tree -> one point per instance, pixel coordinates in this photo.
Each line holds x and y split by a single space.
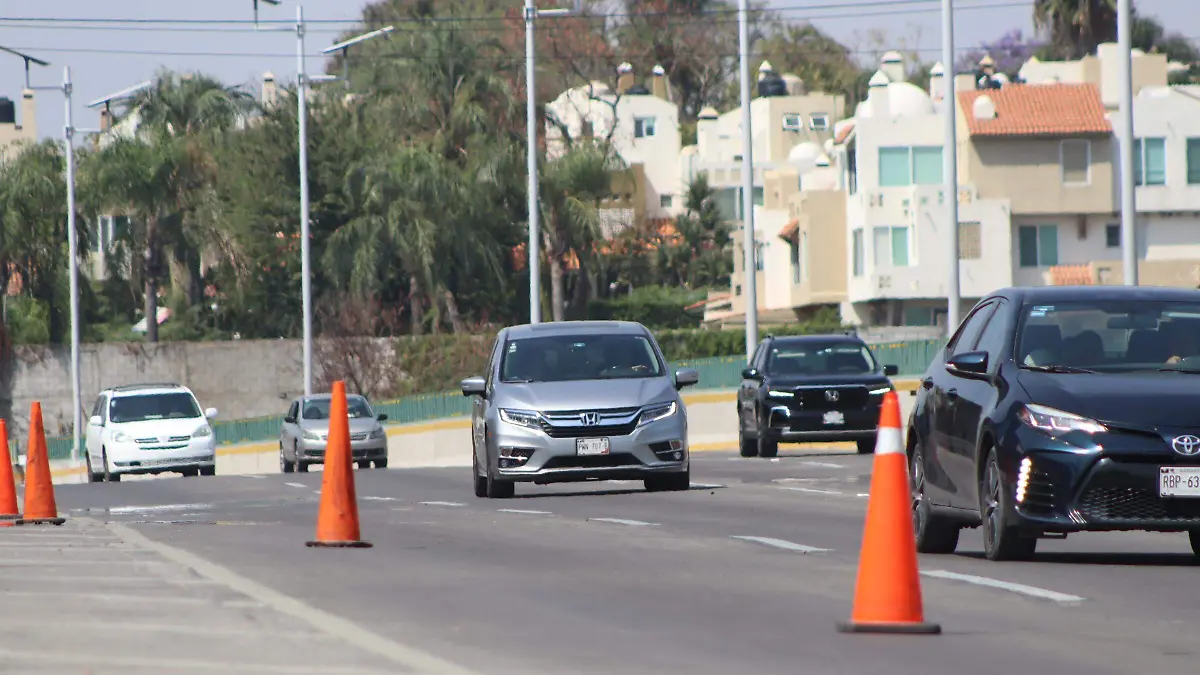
697 254
1075 28
822 62
1010 52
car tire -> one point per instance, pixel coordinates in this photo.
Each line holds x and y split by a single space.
481 482
365 464
1194 538
866 446
934 534
285 466
669 482
1001 540
768 446
748 448
109 476
189 473
498 488
208 470
93 476
381 463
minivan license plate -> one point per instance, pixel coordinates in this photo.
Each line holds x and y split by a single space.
1179 481
591 446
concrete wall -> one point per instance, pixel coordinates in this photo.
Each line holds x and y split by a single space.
242 378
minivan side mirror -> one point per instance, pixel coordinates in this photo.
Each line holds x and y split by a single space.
210 413
891 370
473 386
750 373
686 377
969 364
96 421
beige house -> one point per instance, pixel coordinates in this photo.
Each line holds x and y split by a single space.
14 129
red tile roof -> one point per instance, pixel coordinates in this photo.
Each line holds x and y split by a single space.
1038 110
1071 275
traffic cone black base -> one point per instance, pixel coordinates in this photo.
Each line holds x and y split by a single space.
890 628
40 521
338 544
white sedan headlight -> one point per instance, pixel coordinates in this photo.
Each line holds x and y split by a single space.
657 413
1056 422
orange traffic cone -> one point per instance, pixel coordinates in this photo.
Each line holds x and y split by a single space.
887 598
337 520
8 484
40 508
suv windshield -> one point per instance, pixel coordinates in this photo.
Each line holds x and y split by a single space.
560 358
812 357
178 406
1110 336
318 408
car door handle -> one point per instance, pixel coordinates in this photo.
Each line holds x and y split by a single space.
952 393
927 383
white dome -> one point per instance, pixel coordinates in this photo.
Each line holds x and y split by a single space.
804 156
905 99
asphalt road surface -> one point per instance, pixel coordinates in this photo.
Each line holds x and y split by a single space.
749 571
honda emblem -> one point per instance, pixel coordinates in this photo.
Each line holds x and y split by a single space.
589 419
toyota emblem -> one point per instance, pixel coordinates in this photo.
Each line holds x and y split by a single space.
589 419
1186 445
832 395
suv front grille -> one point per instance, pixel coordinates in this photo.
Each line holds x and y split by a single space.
849 398
570 424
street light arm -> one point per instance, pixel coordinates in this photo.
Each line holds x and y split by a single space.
341 46
124 93
28 60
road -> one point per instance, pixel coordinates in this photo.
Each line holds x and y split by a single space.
594 578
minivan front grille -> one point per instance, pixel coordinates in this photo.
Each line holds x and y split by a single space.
571 423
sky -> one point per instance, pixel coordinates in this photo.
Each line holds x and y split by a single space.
105 57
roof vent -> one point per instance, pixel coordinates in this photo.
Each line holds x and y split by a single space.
879 79
984 108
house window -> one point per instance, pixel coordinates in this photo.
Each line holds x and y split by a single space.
901 166
664 201
1038 245
795 253
891 246
643 127
1112 235
1193 161
970 246
859 257
1075 156
792 122
852 170
1150 161
818 122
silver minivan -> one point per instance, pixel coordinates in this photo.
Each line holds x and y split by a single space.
576 401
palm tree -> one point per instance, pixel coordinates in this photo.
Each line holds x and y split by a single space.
1075 27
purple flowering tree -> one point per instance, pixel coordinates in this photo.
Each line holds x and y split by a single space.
1010 52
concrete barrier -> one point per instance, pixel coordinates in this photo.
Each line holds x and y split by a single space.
712 425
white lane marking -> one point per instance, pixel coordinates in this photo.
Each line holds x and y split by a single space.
110 597
159 507
528 511
812 490
621 521
706 486
863 494
370 498
783 544
255 476
824 465
296 485
443 503
1031 591
331 624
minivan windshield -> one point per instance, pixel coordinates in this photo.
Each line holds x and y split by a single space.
173 406
560 358
318 408
810 357
1110 336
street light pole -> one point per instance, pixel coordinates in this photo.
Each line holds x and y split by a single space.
73 254
1129 256
344 48
749 281
305 268
950 165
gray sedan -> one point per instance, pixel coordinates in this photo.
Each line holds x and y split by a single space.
305 432
576 401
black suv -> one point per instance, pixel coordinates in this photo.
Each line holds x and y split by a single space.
810 388
1059 410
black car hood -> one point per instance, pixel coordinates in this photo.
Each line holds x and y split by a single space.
1141 399
842 380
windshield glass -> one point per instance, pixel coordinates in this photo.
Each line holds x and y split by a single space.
561 358
1111 336
820 358
318 408
179 406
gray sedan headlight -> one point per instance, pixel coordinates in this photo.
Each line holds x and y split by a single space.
312 436
378 433
657 413
521 418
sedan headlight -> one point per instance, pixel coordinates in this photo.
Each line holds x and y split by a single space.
378 432
521 418
203 432
312 436
657 412
1057 422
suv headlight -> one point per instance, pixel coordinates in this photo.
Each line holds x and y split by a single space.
1057 422
657 413
203 432
522 418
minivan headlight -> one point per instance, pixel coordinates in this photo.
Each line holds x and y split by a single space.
521 418
656 413
1056 422
203 432
121 437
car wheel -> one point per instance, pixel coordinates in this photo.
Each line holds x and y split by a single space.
1194 537
498 488
481 482
189 473
365 464
768 446
934 534
301 467
109 476
381 463
285 466
1001 541
208 470
749 448
866 446
669 482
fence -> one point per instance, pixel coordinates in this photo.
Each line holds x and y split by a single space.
723 372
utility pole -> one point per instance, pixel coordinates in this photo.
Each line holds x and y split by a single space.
750 280
1129 257
950 166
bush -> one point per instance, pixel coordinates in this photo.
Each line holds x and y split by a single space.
653 306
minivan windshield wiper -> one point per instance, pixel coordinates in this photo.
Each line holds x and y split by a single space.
1057 368
1189 371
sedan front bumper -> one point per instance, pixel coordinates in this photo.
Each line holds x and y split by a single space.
313 452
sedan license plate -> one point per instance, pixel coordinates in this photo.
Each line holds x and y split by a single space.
591 446
834 417
1179 481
